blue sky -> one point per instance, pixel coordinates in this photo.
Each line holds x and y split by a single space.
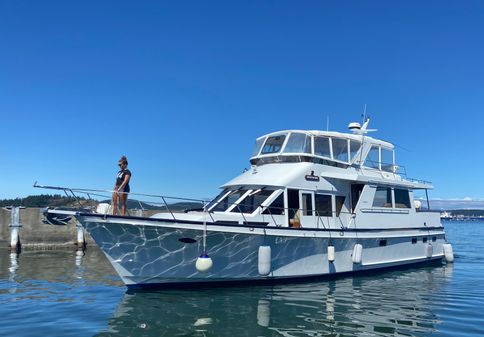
184 88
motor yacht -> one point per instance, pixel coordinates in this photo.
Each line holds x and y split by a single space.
313 203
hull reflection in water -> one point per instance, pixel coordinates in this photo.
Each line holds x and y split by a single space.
397 303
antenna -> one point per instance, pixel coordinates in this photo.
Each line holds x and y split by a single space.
327 123
364 114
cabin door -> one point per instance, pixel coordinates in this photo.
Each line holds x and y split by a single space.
356 190
306 209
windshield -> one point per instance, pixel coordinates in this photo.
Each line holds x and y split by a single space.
273 144
252 201
229 200
298 143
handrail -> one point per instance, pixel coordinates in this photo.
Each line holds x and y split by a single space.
338 216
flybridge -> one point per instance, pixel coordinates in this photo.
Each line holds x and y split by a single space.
328 148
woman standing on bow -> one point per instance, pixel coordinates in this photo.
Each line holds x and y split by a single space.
121 188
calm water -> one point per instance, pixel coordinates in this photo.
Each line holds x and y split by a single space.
57 293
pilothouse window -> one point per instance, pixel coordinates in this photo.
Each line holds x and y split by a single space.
383 197
402 199
273 144
323 205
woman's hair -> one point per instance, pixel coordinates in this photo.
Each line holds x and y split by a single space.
124 160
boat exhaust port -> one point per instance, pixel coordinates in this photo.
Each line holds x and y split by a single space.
448 252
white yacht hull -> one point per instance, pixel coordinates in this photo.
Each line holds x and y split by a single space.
148 252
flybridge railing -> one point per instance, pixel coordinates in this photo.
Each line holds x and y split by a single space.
272 212
394 169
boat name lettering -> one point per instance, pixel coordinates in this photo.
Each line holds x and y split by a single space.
311 177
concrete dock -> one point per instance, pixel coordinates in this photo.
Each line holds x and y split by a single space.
36 235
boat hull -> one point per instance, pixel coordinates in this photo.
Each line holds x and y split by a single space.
148 252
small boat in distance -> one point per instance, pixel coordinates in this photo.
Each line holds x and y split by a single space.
313 203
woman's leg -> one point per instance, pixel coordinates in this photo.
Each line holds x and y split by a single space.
124 200
115 203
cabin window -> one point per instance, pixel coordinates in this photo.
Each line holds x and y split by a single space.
276 207
414 241
373 158
298 143
321 147
402 199
253 200
354 148
383 243
307 203
340 149
229 200
323 205
340 201
383 197
216 199
273 144
386 159
258 145
424 240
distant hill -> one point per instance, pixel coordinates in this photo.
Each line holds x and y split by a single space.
57 200
43 200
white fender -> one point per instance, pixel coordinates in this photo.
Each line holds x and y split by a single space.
448 252
331 255
429 250
204 263
357 253
264 260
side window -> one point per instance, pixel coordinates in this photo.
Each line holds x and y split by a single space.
354 148
340 201
340 149
402 199
276 207
307 204
383 197
323 205
386 160
258 146
373 158
321 147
